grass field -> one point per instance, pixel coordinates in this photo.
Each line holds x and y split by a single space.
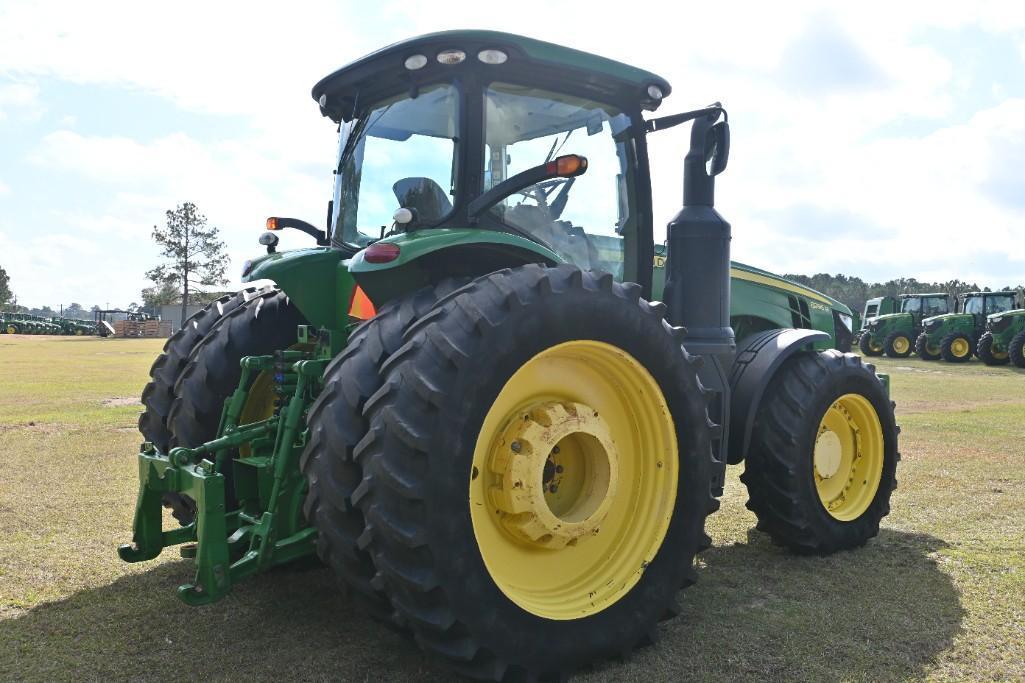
940 595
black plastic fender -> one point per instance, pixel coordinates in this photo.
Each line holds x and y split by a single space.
758 358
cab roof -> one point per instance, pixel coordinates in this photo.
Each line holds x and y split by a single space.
1000 293
916 296
385 68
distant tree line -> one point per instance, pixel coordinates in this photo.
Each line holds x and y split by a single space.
854 292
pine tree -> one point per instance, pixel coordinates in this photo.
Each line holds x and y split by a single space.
194 253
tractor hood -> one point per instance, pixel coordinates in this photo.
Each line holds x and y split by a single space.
947 316
997 317
887 318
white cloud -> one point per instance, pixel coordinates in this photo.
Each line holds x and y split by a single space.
19 97
796 144
5 189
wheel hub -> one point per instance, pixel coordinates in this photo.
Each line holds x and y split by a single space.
557 473
828 452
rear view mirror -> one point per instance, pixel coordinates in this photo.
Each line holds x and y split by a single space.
717 148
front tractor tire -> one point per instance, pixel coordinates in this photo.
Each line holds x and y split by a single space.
823 458
924 349
869 346
987 354
898 345
956 347
1016 351
536 473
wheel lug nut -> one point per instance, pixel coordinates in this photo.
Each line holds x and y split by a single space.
558 469
516 447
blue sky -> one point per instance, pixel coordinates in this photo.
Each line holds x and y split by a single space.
879 140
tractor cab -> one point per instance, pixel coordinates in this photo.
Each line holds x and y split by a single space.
922 306
538 149
982 304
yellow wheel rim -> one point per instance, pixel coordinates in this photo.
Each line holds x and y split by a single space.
11 329
574 479
901 344
999 355
259 405
848 457
874 345
960 347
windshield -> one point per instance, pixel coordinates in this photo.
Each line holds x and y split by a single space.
936 305
584 218
911 306
999 304
973 305
400 153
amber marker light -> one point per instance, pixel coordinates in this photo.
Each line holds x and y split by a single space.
272 223
567 166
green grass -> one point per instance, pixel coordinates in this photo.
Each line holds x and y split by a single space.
940 595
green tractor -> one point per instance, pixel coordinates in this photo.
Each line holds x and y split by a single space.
26 323
1004 338
75 327
895 333
477 416
955 336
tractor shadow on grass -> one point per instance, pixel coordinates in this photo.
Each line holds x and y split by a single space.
882 612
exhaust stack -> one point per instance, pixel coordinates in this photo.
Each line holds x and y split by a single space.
697 293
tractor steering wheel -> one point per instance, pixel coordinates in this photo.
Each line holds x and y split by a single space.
541 192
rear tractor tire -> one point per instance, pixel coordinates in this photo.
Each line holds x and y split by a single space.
536 473
823 458
1016 351
986 353
199 369
337 425
868 346
956 347
924 349
898 345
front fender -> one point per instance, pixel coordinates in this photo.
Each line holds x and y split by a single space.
758 358
316 279
426 256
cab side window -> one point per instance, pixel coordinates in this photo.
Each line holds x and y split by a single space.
998 304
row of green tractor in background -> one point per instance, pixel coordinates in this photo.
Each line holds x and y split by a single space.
989 325
26 323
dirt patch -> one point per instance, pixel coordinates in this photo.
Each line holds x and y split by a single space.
119 401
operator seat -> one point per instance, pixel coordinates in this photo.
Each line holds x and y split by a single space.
424 196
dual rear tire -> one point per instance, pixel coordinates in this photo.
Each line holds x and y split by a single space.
199 368
534 472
